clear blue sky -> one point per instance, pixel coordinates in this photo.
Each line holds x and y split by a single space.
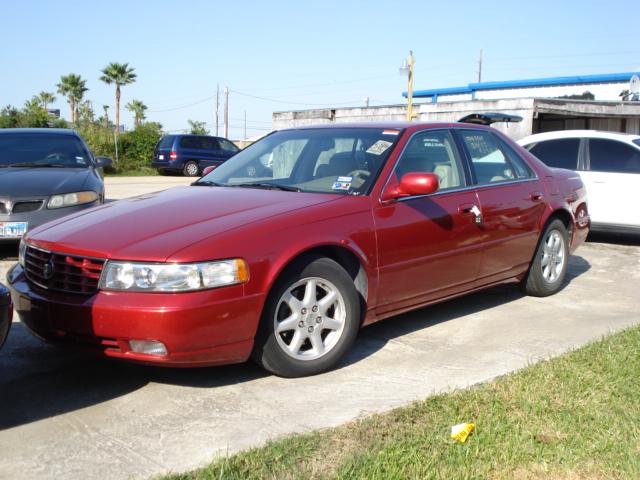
300 54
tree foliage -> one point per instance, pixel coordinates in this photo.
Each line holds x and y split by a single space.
119 74
45 98
73 87
137 108
198 128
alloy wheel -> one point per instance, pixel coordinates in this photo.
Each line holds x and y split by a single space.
309 318
553 256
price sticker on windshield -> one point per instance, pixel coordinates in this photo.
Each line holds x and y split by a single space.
379 147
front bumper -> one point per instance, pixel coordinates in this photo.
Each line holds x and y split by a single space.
6 314
42 215
209 327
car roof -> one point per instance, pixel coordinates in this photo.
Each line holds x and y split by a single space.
392 125
539 137
52 131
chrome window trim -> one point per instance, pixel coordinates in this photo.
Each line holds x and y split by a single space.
469 188
473 186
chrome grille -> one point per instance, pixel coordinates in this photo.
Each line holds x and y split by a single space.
62 272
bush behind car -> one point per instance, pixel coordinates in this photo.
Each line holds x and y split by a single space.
135 147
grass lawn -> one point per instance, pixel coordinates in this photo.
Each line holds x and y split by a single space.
142 172
573 417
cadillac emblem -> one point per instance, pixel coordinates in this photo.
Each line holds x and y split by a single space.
47 270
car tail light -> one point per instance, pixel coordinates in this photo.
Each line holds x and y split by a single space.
173 155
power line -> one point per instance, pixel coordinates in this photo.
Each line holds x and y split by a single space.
275 100
328 84
568 55
182 106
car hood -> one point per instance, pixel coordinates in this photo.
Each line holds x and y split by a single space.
152 227
40 182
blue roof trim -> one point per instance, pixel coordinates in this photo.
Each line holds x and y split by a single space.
534 82
439 91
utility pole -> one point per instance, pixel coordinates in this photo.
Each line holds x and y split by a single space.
480 67
245 125
226 112
217 106
410 64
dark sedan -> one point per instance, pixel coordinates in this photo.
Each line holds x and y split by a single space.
6 313
45 174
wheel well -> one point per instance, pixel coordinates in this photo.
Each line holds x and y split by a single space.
565 217
347 260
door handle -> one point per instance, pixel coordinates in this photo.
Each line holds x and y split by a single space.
471 209
536 196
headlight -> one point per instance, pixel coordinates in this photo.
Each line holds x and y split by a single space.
172 277
71 199
22 250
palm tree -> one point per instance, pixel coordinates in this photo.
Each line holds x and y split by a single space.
73 87
120 74
106 115
45 98
137 108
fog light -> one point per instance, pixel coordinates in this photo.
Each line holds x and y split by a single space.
149 347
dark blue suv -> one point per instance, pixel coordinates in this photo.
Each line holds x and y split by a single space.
190 154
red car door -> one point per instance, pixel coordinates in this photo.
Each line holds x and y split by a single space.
511 201
428 246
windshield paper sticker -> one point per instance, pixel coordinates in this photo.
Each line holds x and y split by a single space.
379 147
344 179
341 185
390 132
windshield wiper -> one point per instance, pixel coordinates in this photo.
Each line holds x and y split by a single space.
206 183
33 165
267 185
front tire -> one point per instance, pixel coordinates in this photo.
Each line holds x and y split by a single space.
191 169
310 320
549 266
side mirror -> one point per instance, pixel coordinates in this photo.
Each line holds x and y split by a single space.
412 183
208 170
103 162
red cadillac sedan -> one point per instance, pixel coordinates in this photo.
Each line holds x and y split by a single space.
286 250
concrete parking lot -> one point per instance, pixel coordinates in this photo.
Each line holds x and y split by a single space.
64 415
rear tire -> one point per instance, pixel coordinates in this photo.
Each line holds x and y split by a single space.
310 320
191 169
549 265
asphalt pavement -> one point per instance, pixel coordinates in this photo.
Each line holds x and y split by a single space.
67 416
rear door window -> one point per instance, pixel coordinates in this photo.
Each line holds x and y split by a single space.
209 143
612 156
166 142
560 153
488 161
191 142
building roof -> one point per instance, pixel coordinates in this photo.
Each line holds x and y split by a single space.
527 83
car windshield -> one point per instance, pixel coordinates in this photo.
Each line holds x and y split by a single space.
42 150
326 160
